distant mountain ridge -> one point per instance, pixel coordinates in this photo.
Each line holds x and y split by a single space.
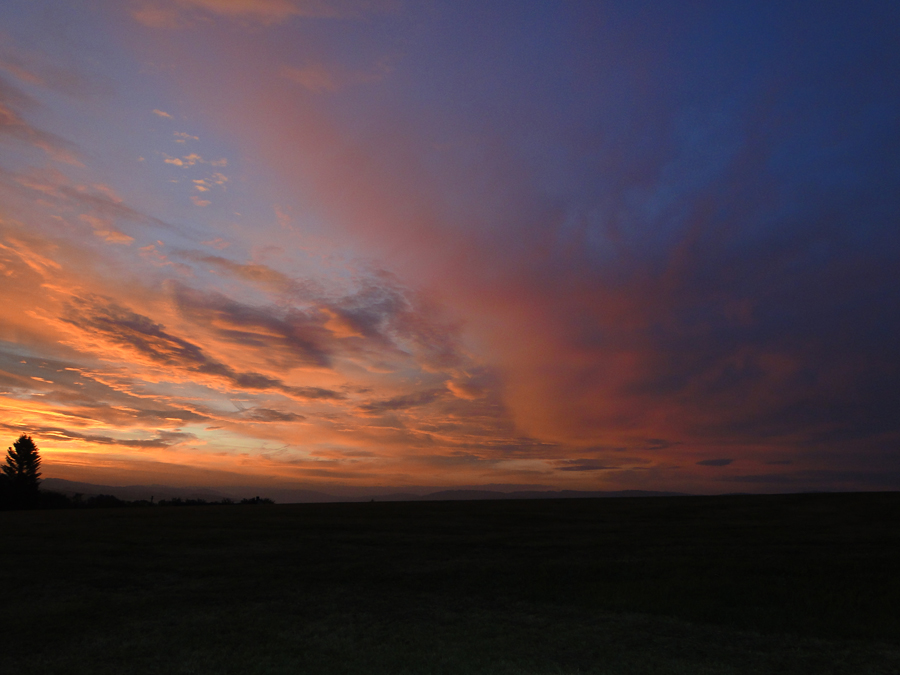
157 492
294 496
448 495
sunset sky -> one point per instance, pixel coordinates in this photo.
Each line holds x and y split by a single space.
577 245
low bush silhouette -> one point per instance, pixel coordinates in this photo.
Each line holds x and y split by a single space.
257 500
48 499
104 501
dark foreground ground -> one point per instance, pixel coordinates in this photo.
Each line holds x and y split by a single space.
774 584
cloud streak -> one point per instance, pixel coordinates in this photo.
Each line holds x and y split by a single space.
181 13
14 126
144 340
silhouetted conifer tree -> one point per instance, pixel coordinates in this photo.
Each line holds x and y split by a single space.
21 473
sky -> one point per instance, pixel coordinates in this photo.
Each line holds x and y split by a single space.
344 244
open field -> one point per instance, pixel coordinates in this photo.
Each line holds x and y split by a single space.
737 584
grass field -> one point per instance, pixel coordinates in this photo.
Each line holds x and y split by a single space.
737 584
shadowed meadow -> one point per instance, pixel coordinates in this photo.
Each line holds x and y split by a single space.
385 245
729 584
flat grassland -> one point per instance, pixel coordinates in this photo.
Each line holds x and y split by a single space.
731 584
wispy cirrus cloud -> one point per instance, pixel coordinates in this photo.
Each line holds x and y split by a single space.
33 67
181 13
404 402
319 77
584 465
715 462
13 126
254 273
97 201
163 440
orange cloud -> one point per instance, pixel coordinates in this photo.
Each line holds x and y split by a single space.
103 229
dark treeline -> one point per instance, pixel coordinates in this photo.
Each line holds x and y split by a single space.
20 487
48 499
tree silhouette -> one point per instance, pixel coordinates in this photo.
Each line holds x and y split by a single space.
21 471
